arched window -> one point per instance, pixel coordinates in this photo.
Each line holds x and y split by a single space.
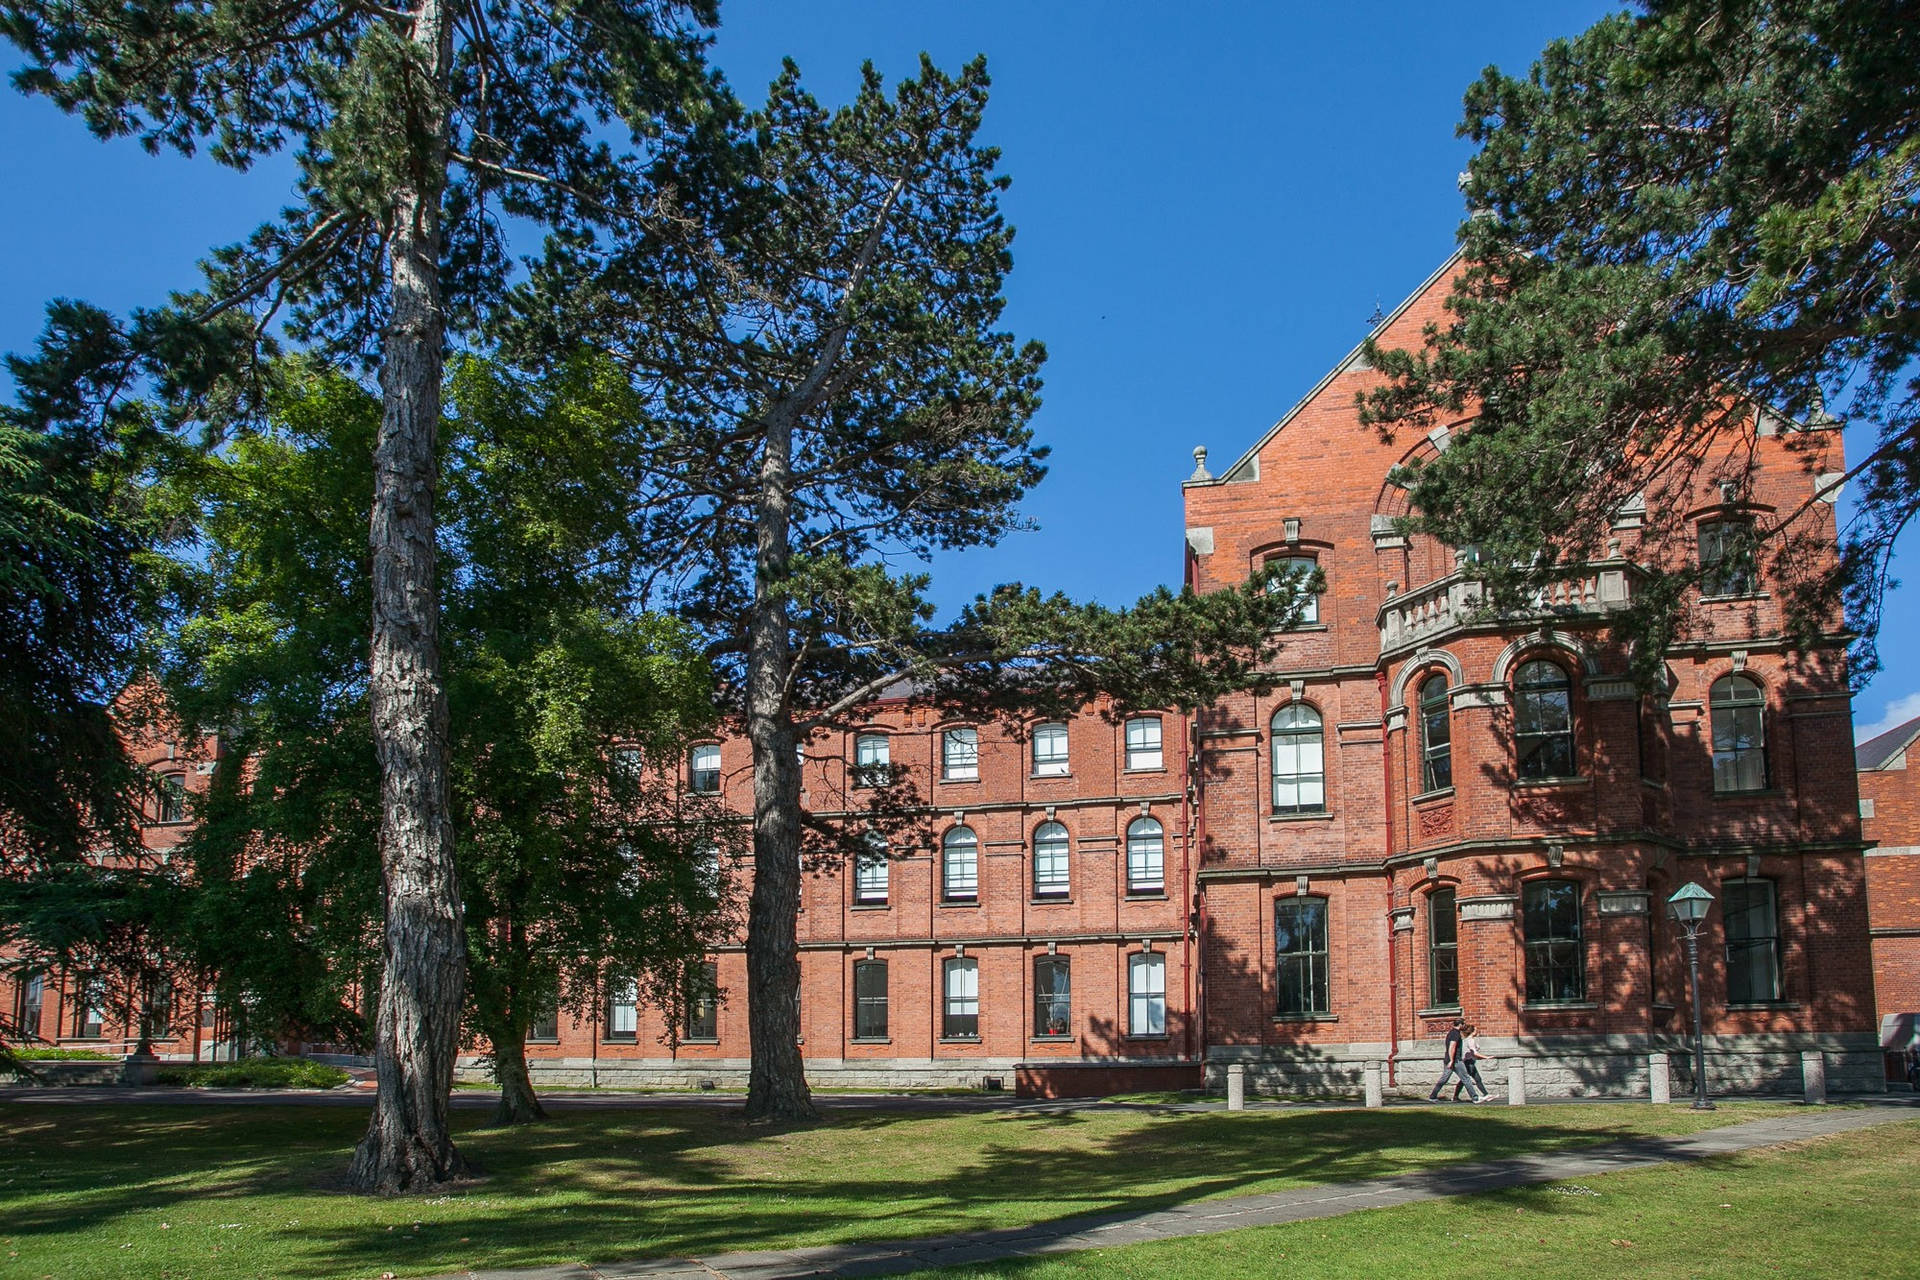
170 803
1051 878
1299 761
1436 735
1738 707
960 866
703 769
1049 750
1556 952
1146 857
1543 721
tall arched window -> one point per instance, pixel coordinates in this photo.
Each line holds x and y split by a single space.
960 866
1555 944
1443 949
1146 857
1543 721
1051 877
1738 707
1436 735
1299 761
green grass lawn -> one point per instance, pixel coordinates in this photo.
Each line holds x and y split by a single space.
1846 1206
159 1191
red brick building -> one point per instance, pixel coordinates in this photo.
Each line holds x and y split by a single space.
1890 817
1435 812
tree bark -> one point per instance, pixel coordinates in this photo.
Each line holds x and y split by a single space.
518 1102
777 1079
407 1146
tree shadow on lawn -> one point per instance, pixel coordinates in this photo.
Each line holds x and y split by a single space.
602 1185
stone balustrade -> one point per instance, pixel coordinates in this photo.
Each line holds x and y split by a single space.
1459 599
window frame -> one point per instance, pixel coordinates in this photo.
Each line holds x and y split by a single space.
1769 941
1546 969
1733 763
1304 971
1058 884
960 844
29 1003
1053 999
1436 759
1287 562
696 775
547 1015
876 771
700 1019
871 872
957 764
1527 700
622 993
1147 1001
952 1005
865 1004
1443 957
1136 756
1138 884
170 798
1297 734
1056 763
1732 570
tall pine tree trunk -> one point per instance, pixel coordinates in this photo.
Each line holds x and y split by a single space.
416 1026
777 1079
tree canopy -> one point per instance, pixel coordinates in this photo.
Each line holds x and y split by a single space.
1680 217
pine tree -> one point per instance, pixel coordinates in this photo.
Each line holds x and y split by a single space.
815 326
413 128
1679 217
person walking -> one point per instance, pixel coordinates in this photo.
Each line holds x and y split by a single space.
1469 1063
1453 1065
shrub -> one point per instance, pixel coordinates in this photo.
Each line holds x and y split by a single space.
62 1055
254 1073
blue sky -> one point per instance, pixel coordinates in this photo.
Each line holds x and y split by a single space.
1210 199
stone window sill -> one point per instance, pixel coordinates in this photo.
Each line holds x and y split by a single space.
1438 1011
1322 816
1763 793
958 782
1438 793
1066 1039
959 902
1145 768
1146 895
959 1039
620 1040
871 906
1053 900
1050 777
1736 597
1559 1006
1763 1006
1149 1035
686 1040
1548 784
871 1040
1306 1017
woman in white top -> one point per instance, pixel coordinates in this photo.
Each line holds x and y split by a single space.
1469 1062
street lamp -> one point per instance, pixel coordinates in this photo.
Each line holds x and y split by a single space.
1688 907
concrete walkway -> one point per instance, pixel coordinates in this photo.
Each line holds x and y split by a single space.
1204 1217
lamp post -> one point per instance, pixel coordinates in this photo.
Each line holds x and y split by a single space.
1688 907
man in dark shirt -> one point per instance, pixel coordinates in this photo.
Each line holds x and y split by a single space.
1454 1068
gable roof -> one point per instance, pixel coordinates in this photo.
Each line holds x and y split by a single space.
1881 749
1346 362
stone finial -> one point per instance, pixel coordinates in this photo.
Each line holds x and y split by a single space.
1200 471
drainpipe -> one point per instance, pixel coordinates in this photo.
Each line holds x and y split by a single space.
1187 885
1393 943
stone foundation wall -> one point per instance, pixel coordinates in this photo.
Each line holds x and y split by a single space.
731 1073
1569 1067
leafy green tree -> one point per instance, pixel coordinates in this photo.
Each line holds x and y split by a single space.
576 859
1677 216
414 128
815 328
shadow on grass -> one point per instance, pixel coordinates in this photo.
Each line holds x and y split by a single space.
654 1182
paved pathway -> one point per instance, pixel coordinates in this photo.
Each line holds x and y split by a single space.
1203 1217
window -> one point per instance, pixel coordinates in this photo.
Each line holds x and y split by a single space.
1727 558
626 764
1299 761
870 871
623 1008
1052 996
1556 957
704 774
960 866
960 755
1050 751
961 1016
89 1008
1443 950
703 1002
1146 857
1298 569
28 999
1147 994
1753 941
546 1022
872 760
706 869
1143 743
1300 957
1436 736
870 1000
170 802
1738 710
1050 875
1543 721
